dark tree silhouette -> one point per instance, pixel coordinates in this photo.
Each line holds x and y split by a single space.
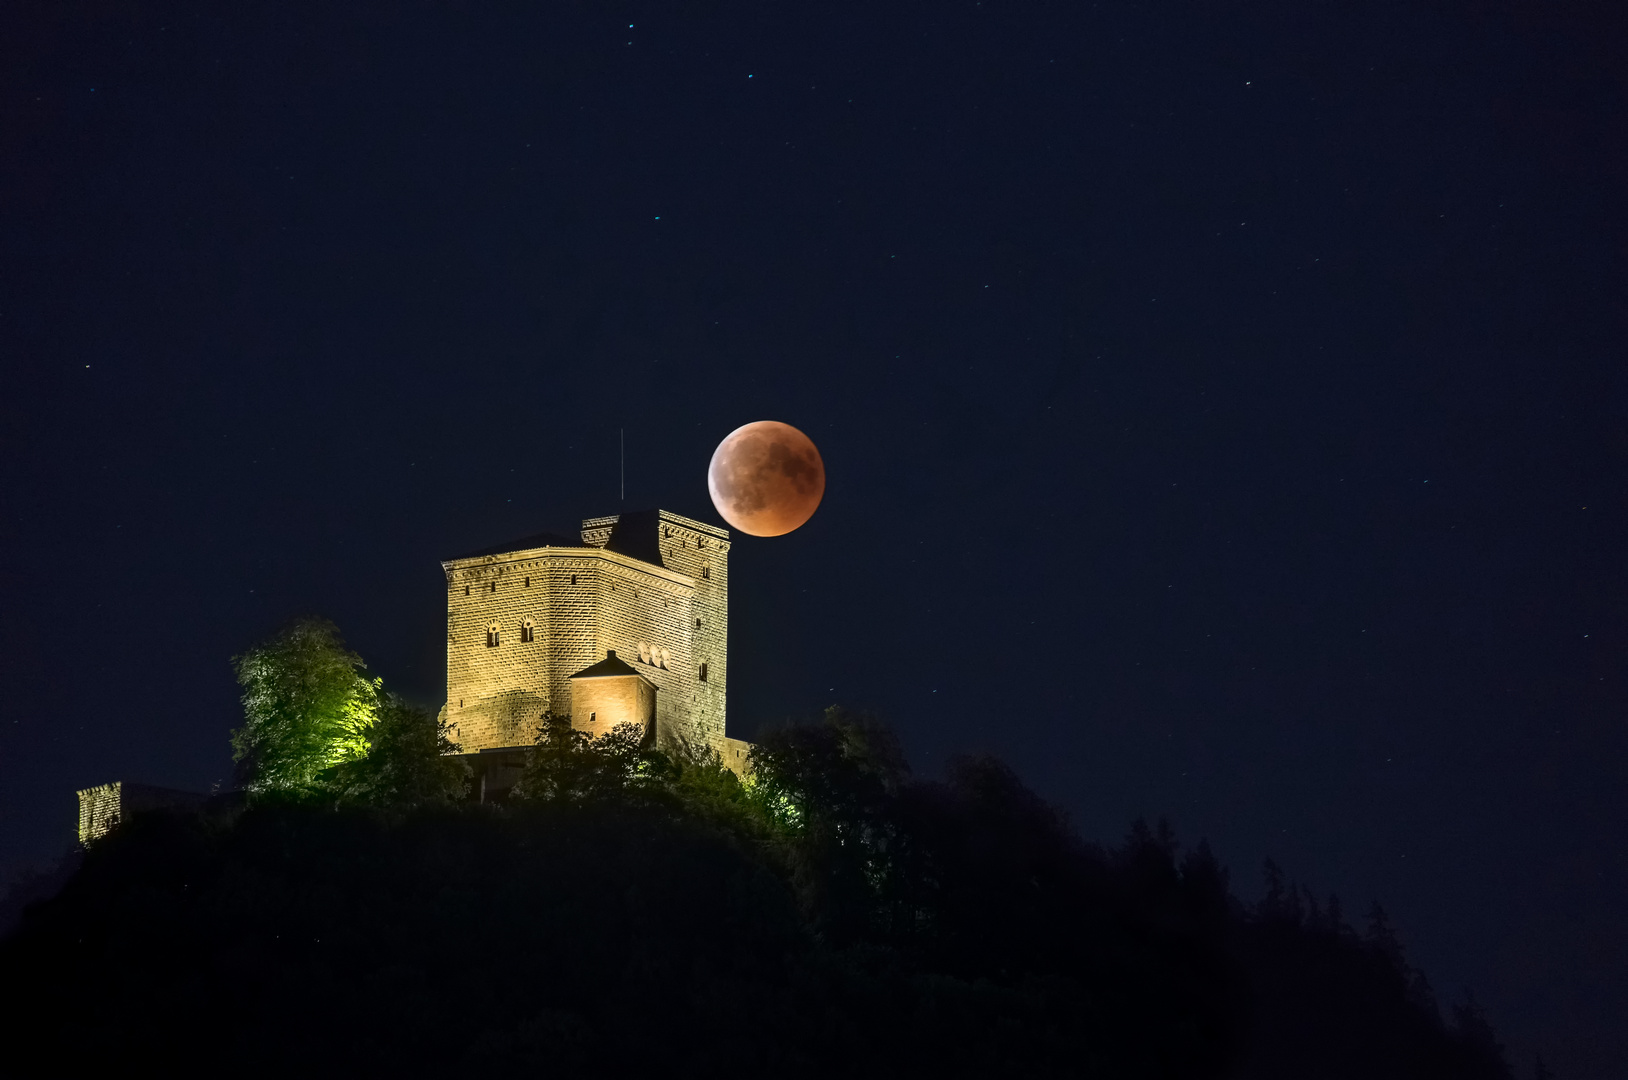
632 911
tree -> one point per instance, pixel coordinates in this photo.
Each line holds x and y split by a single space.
839 772
568 765
409 760
1473 1030
308 706
830 790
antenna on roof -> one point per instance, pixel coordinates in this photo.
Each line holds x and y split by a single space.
621 434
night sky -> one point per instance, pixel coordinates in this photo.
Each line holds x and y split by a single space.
1223 405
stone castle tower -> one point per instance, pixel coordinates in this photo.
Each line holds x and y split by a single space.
629 623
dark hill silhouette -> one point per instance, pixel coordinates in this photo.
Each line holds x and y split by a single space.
627 913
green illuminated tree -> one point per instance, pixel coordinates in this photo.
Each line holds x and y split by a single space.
408 761
308 706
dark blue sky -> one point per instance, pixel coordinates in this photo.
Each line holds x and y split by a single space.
1223 405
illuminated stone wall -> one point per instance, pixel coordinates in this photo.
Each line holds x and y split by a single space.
599 705
102 807
654 587
99 811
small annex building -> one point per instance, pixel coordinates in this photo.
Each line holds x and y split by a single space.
611 693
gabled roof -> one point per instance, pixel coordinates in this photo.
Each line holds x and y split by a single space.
525 543
607 667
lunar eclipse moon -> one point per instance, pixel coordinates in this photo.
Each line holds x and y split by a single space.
766 478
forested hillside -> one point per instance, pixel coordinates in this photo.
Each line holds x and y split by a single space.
631 911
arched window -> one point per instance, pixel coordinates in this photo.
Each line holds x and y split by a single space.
526 632
492 636
706 572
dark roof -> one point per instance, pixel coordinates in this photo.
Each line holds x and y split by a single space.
637 534
608 666
523 544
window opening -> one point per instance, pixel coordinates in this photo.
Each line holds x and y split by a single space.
526 632
466 590
703 673
491 636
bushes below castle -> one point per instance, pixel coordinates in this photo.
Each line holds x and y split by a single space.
629 911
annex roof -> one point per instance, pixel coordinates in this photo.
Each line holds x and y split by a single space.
607 667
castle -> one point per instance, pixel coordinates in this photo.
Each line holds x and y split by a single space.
627 623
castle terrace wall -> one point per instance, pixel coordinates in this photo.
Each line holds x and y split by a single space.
103 807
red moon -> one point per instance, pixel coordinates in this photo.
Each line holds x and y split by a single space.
766 478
